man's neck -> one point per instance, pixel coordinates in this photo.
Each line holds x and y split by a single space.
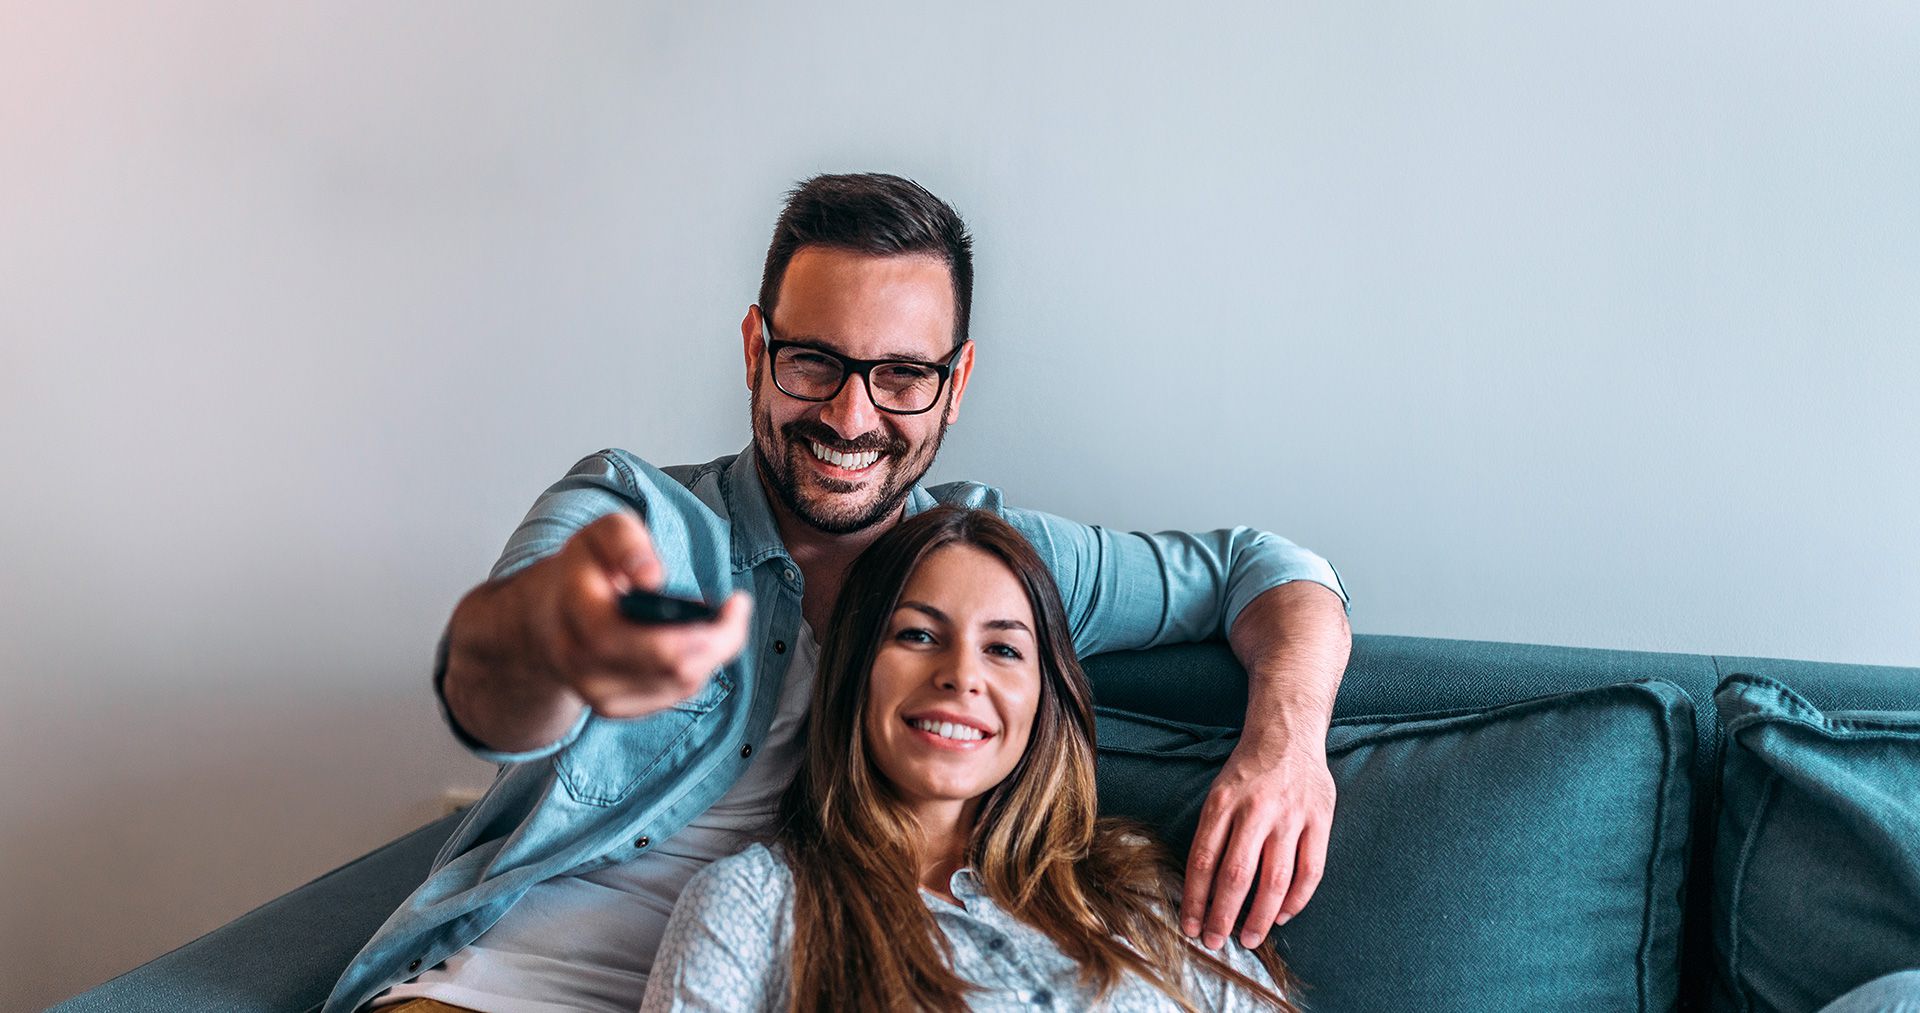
815 549
823 558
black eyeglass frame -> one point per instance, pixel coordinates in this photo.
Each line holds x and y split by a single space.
864 367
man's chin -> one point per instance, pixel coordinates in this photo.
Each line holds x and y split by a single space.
840 513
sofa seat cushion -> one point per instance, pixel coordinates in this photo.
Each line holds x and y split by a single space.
1521 857
1817 856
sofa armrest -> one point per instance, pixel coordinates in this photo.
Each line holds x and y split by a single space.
286 954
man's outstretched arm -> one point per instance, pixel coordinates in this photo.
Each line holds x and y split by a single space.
1263 829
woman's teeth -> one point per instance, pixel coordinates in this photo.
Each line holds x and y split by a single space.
949 730
851 462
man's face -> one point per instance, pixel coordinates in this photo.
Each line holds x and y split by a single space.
862 307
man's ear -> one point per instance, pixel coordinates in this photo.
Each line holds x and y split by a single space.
962 370
751 345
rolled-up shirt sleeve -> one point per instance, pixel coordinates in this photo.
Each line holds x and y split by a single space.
592 488
1129 590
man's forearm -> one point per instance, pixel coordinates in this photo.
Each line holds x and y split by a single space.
1293 640
487 691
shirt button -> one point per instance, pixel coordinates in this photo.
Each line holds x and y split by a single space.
746 750
1042 997
779 647
415 966
787 573
996 943
643 842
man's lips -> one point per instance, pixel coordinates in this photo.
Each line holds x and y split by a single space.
841 464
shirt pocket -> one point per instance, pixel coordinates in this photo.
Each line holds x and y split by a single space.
613 756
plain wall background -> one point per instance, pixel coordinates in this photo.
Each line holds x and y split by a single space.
1568 323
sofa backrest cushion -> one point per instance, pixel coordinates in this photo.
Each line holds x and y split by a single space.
1524 856
1817 857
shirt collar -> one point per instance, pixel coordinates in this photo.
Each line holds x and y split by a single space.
756 538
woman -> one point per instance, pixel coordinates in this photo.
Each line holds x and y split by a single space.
938 848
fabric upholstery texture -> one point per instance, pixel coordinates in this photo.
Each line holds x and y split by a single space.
1526 856
1817 868
287 954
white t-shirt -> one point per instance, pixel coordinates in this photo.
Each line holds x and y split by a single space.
586 942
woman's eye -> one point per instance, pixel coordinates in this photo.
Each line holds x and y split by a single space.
915 635
1006 651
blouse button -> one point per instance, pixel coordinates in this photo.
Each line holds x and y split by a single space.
415 966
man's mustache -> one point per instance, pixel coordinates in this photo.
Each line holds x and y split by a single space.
878 440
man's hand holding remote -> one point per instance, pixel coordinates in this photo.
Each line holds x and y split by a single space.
526 652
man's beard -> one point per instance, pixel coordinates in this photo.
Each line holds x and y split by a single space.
835 516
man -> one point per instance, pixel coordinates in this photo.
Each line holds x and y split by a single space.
634 754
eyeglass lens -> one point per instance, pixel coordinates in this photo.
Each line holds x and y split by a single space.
901 386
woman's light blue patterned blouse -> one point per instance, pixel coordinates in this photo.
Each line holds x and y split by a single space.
729 948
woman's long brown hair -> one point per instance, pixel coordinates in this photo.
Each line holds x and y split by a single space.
1103 890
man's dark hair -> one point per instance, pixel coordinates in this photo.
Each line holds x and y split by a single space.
877 214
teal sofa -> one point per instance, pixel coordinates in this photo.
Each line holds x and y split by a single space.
1519 827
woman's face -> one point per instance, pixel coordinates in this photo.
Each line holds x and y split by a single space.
954 687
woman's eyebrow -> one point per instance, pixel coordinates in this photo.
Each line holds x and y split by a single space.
992 624
920 606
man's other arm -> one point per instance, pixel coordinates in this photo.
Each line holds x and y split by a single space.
1264 826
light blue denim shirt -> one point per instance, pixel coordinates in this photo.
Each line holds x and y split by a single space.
611 788
729 949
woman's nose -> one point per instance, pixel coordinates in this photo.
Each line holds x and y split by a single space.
963 674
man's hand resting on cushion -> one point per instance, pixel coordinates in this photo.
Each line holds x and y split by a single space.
527 652
1263 829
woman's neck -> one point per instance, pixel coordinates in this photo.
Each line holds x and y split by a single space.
944 830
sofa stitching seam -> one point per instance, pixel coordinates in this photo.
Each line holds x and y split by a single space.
1736 888
1653 858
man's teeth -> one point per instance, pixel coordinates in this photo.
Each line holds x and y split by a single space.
851 462
949 730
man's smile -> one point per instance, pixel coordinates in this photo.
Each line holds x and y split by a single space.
849 464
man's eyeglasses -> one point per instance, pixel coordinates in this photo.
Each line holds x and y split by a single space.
898 386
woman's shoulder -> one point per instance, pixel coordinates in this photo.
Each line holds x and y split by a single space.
758 875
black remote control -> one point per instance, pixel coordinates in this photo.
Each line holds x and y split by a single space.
648 607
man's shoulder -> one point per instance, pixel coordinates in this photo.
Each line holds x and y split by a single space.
639 471
968 495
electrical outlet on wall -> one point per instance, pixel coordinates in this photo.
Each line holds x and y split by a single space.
455 799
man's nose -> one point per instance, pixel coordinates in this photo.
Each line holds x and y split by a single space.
851 413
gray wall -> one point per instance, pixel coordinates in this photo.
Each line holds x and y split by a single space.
1569 323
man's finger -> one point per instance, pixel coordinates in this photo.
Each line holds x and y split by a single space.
1312 862
720 640
1208 839
1276 868
619 544
1238 864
